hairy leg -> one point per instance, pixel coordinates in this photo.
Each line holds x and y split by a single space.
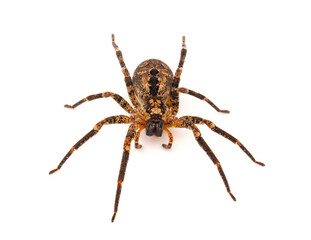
126 152
120 100
174 98
200 96
213 127
94 131
183 123
127 77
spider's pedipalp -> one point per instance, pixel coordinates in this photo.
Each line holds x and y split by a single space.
94 131
137 145
170 139
183 123
200 96
126 152
213 127
120 100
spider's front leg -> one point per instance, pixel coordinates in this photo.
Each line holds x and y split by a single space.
126 152
213 127
183 123
94 131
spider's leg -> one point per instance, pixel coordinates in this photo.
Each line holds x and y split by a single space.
183 123
183 54
120 100
200 96
213 127
174 98
94 131
137 145
126 152
127 77
170 138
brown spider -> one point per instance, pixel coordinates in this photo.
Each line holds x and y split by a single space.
154 92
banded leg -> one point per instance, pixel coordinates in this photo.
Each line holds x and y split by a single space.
94 131
170 139
183 54
120 100
137 145
183 123
213 127
126 152
127 77
174 93
200 96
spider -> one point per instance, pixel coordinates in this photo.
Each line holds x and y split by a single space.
154 92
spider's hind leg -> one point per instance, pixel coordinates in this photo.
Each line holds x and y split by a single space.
127 77
174 93
183 54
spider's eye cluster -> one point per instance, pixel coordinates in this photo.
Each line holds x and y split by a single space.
154 127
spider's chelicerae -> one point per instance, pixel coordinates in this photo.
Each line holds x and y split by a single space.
154 92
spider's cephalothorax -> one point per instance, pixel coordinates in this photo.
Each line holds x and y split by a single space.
154 93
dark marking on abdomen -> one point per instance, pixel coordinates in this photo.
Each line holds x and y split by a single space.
153 81
153 86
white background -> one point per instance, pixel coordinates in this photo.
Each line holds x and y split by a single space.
251 57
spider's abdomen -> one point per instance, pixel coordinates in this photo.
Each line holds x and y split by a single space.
152 79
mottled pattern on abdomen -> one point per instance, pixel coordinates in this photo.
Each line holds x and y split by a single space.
152 79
